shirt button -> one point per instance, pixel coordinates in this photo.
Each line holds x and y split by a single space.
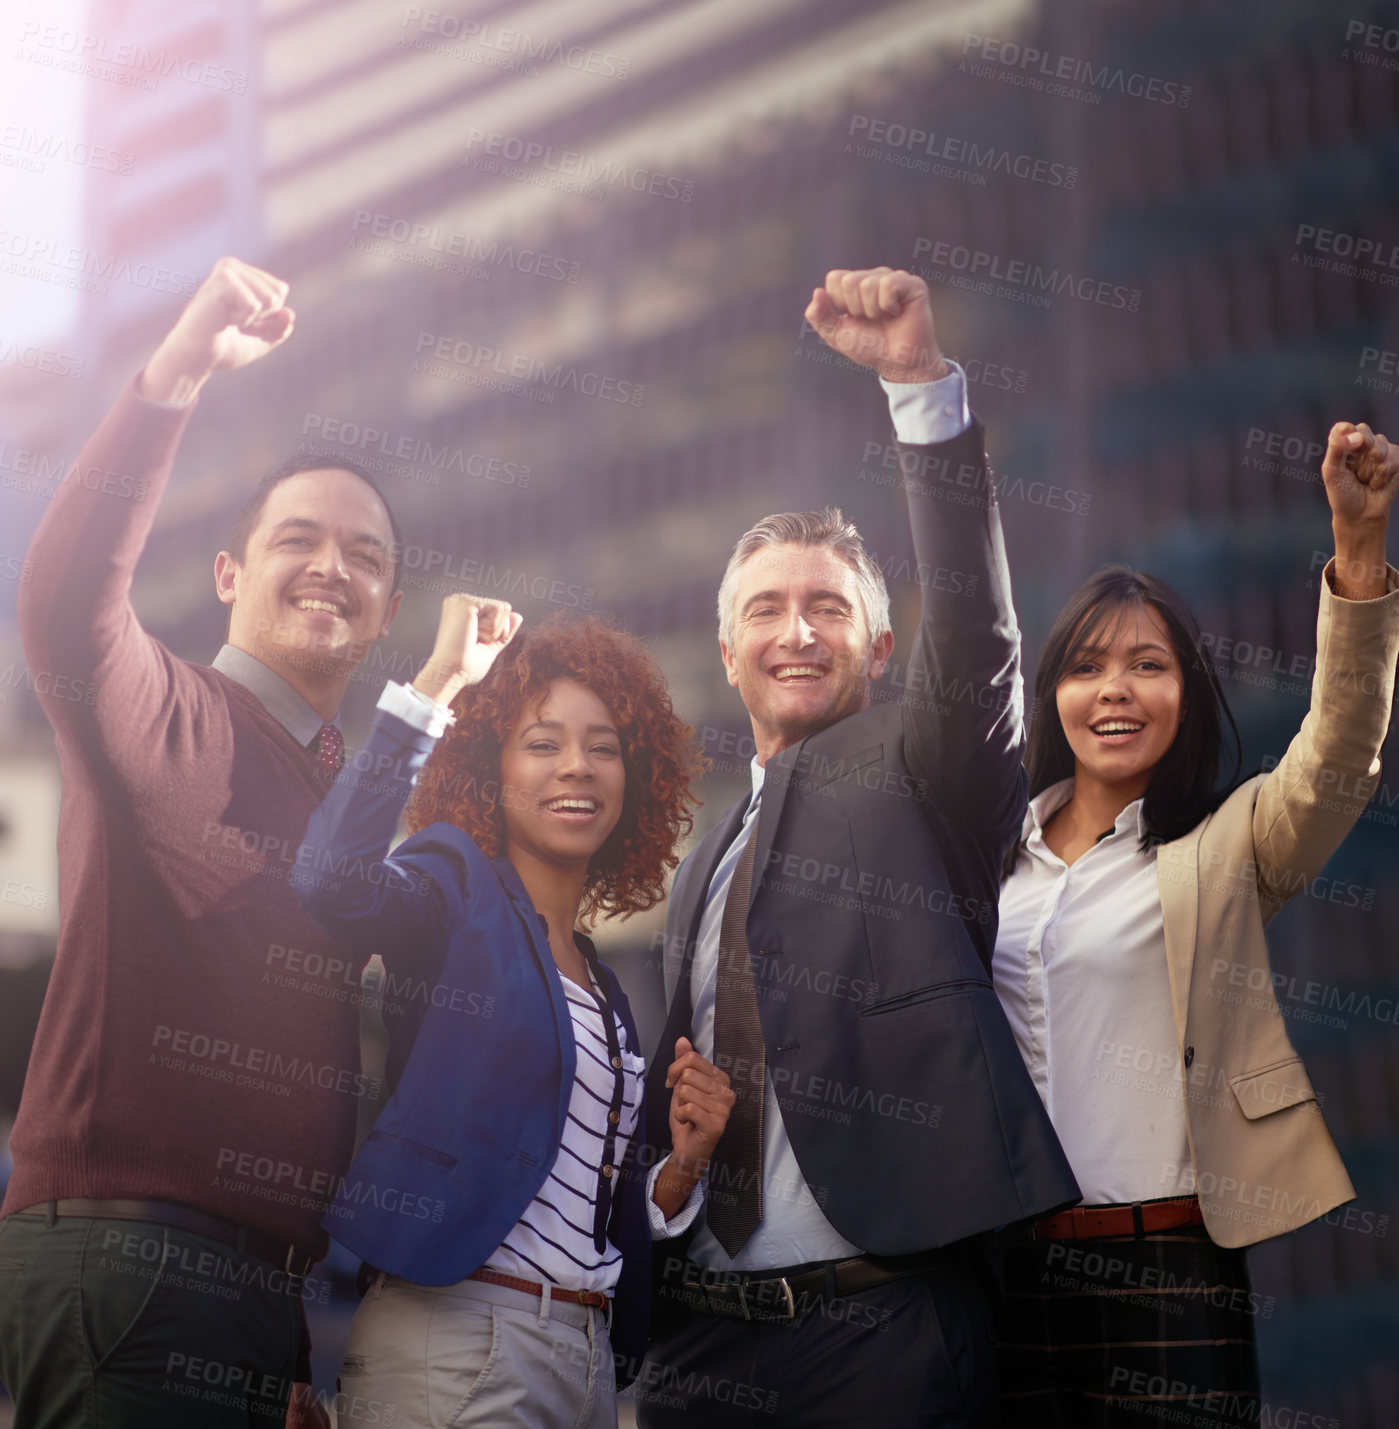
1189 1055
607 1173
614 1117
617 1063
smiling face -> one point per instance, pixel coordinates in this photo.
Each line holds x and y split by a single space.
801 657
1121 701
316 578
563 779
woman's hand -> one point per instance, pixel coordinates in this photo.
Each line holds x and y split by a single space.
700 1102
471 632
304 1409
1361 473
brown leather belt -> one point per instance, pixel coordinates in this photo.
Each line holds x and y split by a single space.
1138 1219
284 1254
595 1298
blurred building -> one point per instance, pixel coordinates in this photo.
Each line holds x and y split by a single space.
549 263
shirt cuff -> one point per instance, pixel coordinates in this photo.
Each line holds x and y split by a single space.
928 412
680 1222
414 708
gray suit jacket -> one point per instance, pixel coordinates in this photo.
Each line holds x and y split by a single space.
873 915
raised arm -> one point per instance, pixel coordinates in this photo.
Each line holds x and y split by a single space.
75 615
345 877
963 711
1308 804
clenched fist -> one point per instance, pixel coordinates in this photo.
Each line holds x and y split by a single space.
1360 471
471 632
238 314
700 1102
1360 468
881 318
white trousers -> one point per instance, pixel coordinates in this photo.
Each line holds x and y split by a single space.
432 1356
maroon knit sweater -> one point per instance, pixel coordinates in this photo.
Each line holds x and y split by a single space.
199 1041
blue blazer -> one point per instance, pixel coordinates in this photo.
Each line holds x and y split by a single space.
481 1059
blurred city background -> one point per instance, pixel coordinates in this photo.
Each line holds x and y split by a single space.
549 262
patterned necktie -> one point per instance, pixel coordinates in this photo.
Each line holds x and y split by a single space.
734 1203
330 746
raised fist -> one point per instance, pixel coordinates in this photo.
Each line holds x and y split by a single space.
471 632
700 1103
1360 470
881 318
237 315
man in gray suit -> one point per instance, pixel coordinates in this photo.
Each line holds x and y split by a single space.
828 947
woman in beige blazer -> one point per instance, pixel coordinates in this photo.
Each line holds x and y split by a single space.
1133 967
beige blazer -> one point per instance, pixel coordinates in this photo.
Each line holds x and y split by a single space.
1264 1160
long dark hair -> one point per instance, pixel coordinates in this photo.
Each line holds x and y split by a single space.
1184 785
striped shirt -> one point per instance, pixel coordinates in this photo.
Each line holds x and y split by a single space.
558 1239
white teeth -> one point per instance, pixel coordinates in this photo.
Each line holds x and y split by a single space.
789 672
313 604
1116 728
572 806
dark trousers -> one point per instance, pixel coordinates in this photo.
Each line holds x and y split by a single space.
907 1354
132 1325
1123 1333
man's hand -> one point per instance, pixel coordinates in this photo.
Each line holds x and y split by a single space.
881 318
700 1103
1361 473
237 315
471 632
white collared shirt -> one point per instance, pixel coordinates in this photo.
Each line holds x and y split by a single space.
1080 968
793 1229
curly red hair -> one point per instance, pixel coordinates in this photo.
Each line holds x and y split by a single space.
461 784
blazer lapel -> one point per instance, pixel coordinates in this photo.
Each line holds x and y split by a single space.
777 780
687 898
529 920
696 874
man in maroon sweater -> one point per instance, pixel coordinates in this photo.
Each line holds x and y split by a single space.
192 1093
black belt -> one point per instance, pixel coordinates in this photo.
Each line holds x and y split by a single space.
285 1254
774 1295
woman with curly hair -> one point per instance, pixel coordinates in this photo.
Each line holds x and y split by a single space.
496 1202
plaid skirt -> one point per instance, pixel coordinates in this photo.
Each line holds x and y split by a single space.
1118 1332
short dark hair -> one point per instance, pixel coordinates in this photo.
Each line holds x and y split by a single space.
293 466
1183 784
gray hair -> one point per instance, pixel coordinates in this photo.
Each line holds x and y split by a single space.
827 527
